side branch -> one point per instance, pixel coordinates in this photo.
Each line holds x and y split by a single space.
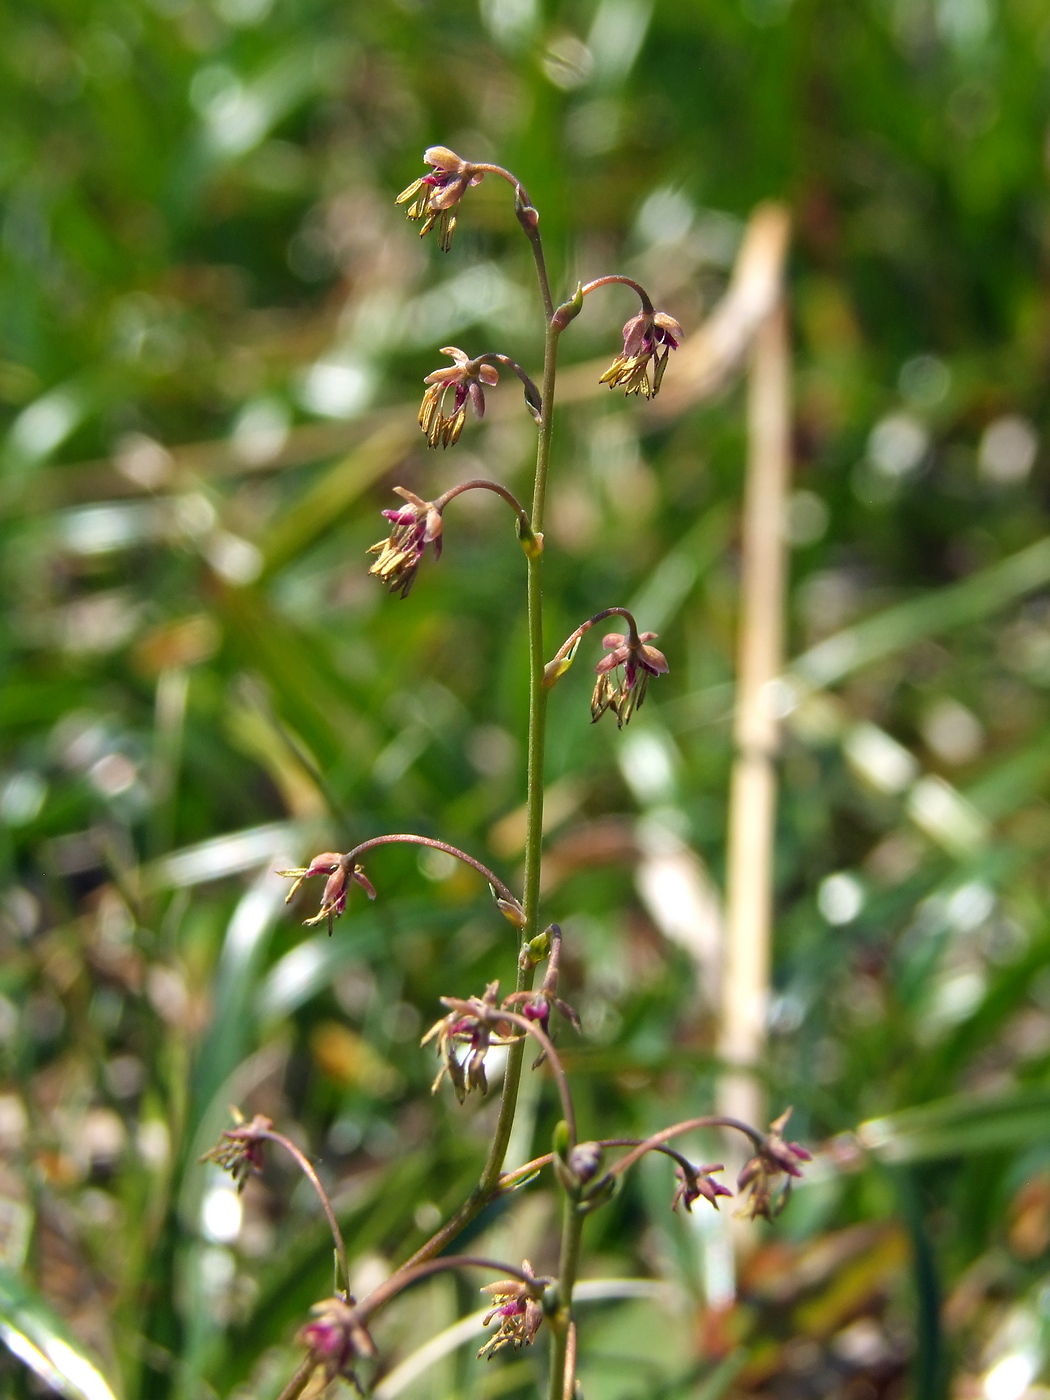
503 895
511 1179
566 653
531 543
413 1273
557 1068
238 1152
307 1169
612 279
533 398
657 1140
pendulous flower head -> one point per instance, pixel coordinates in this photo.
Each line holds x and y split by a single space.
774 1159
435 197
464 379
336 1338
696 1182
467 1024
623 675
239 1150
519 1309
333 899
412 527
648 340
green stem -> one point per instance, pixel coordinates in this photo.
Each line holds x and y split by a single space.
533 235
488 1186
297 1384
537 690
568 1264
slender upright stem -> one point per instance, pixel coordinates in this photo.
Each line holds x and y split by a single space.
544 281
537 691
569 1381
543 445
488 1186
568 1266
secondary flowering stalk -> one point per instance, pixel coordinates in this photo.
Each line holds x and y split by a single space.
530 542
623 675
466 380
511 1181
239 1151
411 1273
648 339
340 869
420 523
773 1158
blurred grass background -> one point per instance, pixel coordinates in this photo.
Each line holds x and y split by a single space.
214 324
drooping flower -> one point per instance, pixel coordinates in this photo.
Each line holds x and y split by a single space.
333 900
775 1158
648 340
623 675
537 1006
239 1150
336 1338
435 197
413 526
464 379
465 1025
696 1182
519 1309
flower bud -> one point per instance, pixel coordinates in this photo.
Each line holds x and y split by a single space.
569 310
585 1161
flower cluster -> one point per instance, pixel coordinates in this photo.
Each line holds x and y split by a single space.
623 675
694 1182
519 1309
435 197
537 1007
648 340
465 379
339 873
774 1158
335 1339
468 1023
239 1150
413 526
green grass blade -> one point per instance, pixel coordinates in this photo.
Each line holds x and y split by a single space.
32 1332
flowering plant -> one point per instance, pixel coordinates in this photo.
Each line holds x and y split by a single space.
336 1339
